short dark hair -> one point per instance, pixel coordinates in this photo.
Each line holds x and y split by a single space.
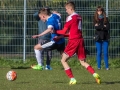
45 10
71 4
46 7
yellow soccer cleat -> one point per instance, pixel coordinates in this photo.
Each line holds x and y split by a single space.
72 81
37 67
97 78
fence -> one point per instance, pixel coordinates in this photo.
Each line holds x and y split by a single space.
17 25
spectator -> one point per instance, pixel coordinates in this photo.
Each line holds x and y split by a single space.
102 36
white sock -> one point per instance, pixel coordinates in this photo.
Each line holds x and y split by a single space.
38 57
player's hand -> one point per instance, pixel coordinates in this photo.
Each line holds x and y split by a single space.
104 25
56 38
96 24
35 36
66 35
52 31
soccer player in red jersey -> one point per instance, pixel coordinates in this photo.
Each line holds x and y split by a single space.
75 43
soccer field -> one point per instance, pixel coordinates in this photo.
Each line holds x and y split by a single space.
28 79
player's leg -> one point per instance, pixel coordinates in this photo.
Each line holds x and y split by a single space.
42 56
67 69
48 54
37 49
99 52
105 52
91 70
81 56
38 52
65 56
60 48
49 46
48 60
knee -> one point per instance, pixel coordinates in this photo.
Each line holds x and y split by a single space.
64 58
35 47
105 51
82 63
105 54
62 61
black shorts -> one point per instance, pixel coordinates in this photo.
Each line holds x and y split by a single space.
52 46
43 41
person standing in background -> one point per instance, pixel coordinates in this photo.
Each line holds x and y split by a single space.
102 28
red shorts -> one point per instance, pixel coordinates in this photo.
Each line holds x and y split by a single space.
76 46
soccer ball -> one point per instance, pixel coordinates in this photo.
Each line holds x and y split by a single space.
11 75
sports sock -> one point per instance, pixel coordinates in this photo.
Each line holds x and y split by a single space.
49 55
69 73
38 57
90 69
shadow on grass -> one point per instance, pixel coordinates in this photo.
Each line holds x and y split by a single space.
114 82
22 82
58 82
20 67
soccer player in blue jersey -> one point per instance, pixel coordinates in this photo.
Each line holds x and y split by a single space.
45 38
57 41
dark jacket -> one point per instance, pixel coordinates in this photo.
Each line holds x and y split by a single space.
102 31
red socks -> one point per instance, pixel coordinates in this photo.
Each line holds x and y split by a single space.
90 69
69 73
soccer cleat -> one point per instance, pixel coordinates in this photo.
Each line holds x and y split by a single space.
37 67
99 68
72 81
97 78
107 69
48 67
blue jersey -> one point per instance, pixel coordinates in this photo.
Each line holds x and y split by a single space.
54 21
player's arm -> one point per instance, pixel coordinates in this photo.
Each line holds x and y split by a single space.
63 31
57 38
66 35
67 25
43 33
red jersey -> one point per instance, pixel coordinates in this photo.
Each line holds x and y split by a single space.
73 23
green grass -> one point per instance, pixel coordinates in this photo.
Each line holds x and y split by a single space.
56 79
